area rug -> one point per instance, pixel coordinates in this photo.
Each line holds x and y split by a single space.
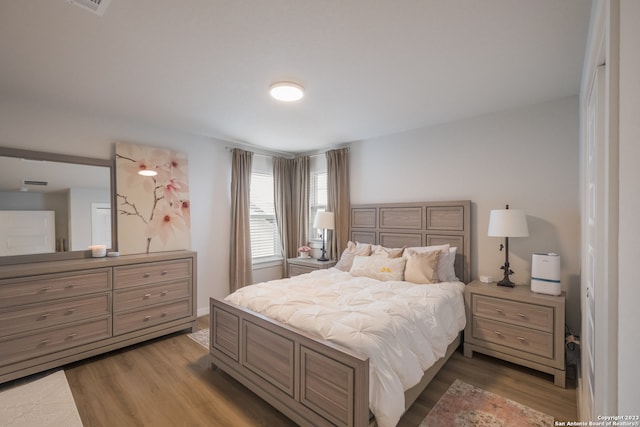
201 337
464 405
45 402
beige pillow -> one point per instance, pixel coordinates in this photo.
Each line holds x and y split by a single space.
379 267
422 267
443 261
353 249
388 252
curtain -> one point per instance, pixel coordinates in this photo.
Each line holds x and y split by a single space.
338 200
291 194
240 273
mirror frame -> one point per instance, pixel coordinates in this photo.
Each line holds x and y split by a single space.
63 158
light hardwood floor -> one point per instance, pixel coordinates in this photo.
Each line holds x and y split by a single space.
168 382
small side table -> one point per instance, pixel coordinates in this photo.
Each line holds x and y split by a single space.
516 325
306 265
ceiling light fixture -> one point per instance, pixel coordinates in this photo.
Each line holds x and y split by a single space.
147 172
286 91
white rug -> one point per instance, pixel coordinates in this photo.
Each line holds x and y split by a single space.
201 337
45 402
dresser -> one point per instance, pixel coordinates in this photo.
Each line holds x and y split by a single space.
516 325
297 266
53 313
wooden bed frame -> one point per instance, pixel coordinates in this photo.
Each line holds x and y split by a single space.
315 382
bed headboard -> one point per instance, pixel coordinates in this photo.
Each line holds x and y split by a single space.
417 224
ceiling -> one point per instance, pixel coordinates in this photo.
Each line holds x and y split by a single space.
370 68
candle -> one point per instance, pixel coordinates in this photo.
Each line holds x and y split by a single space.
98 251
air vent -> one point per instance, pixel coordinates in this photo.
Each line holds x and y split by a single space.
32 182
96 6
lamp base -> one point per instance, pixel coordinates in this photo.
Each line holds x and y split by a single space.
323 258
506 282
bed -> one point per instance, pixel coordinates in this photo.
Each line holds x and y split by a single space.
318 381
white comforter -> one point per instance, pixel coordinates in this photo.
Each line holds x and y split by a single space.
401 327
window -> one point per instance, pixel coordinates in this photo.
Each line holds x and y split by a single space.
317 200
265 240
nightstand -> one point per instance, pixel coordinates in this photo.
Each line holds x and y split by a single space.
306 265
516 325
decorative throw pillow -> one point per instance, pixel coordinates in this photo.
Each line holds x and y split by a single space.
379 267
422 267
388 252
353 249
443 261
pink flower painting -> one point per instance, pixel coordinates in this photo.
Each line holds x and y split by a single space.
153 209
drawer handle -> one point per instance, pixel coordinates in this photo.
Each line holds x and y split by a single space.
45 315
164 314
522 315
71 336
70 286
70 311
164 293
499 310
45 289
163 273
521 339
45 341
146 318
146 275
147 296
498 333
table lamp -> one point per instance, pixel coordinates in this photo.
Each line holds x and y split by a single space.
507 223
325 221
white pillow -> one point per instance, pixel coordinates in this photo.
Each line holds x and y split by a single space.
352 249
422 267
452 265
445 271
379 267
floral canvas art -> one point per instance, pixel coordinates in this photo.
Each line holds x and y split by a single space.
153 209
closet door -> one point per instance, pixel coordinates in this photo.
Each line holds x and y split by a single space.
592 241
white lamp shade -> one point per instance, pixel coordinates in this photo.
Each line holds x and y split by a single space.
324 220
508 223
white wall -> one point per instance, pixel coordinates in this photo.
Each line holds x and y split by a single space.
528 158
629 194
54 129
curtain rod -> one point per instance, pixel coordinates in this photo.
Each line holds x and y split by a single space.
288 155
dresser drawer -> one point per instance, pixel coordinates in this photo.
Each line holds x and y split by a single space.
43 315
52 340
152 272
516 337
51 286
143 296
139 319
528 315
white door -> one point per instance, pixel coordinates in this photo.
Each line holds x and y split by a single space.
101 224
598 391
591 214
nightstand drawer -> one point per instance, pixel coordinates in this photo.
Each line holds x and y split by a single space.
296 270
517 313
522 339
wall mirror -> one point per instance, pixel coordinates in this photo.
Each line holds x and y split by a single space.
54 206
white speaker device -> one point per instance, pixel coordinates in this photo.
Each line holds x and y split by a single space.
545 273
